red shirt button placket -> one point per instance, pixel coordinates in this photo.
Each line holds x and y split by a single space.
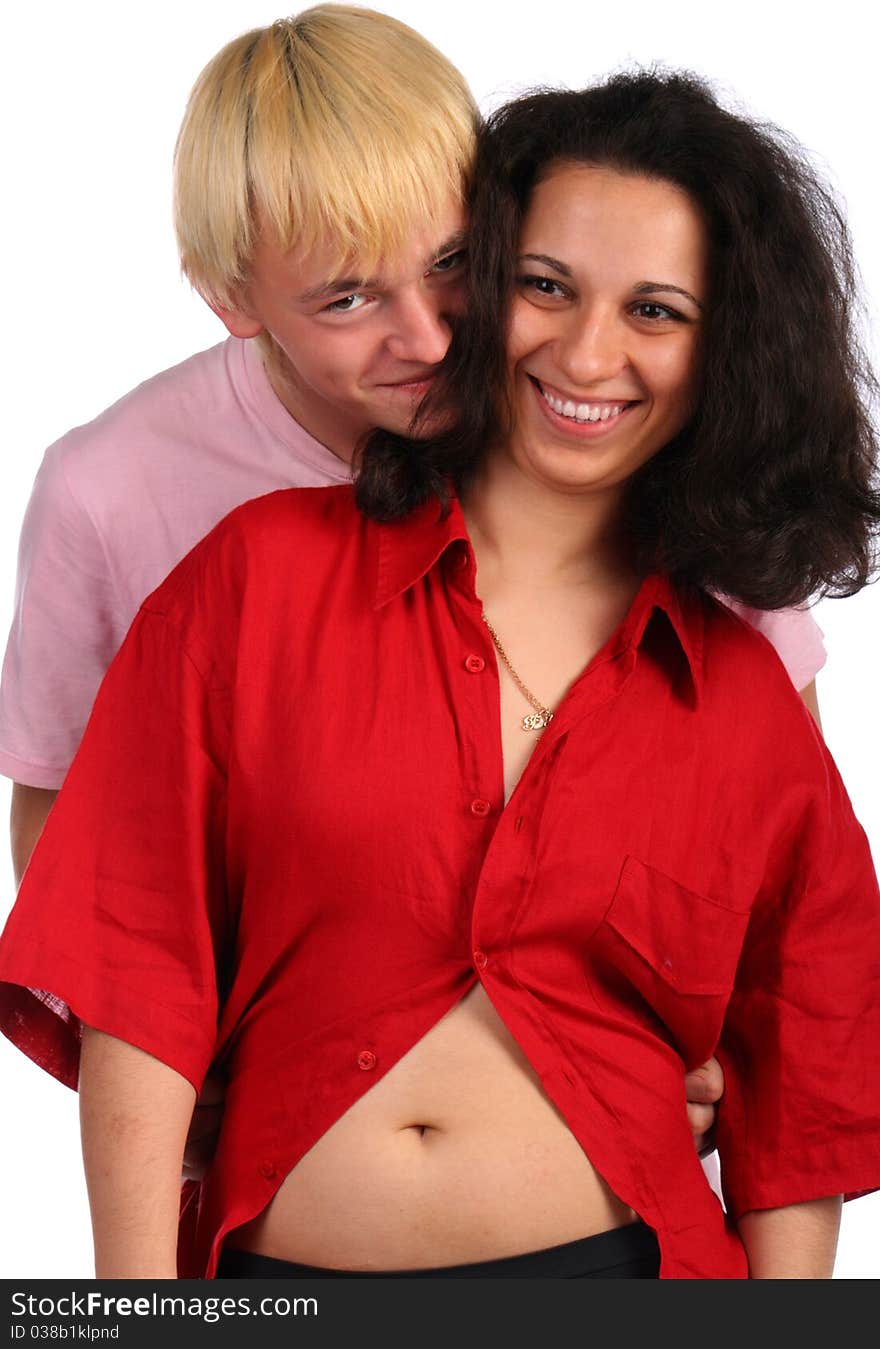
475 664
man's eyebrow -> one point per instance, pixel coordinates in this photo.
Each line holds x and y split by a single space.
655 287
343 284
453 244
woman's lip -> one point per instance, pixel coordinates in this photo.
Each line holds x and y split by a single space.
580 430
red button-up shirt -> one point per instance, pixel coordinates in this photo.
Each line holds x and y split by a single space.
283 844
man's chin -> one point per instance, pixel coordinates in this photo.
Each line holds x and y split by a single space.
411 425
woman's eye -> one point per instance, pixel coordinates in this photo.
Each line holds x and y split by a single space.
451 261
544 285
346 305
647 309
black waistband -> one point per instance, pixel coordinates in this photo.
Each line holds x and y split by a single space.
629 1252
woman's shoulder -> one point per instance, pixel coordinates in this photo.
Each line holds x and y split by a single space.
748 682
256 554
794 634
279 516
280 528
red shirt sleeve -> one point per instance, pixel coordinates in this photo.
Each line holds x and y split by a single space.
121 915
800 1049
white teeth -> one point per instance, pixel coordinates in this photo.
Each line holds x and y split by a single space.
582 412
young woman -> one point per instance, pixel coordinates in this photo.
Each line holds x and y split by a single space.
469 815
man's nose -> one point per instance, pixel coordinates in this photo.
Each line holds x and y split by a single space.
420 329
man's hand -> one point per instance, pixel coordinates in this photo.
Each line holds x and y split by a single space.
201 1141
704 1088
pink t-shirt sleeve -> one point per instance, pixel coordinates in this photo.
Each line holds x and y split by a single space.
64 632
116 505
796 635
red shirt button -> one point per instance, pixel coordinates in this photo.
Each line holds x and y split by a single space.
268 1170
366 1060
460 559
480 807
475 665
481 960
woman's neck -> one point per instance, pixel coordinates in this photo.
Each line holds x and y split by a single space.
523 532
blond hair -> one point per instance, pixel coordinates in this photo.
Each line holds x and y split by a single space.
337 125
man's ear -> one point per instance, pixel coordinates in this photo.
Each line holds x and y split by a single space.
237 319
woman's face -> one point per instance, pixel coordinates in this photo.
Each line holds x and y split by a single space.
604 340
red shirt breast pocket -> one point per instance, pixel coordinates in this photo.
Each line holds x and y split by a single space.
673 950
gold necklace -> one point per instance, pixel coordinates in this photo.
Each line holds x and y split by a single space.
542 716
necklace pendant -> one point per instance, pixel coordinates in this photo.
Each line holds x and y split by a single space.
536 721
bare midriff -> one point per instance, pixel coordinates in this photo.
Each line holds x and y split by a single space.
456 1155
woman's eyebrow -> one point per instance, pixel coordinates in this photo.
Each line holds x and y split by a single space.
553 263
643 287
653 287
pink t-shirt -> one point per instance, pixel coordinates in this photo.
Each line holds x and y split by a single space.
119 502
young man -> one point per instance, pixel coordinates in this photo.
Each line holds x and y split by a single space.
338 274
119 502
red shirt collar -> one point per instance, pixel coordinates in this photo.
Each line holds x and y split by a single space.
406 550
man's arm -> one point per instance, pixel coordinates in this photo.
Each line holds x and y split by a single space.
30 807
811 698
134 1114
797 1242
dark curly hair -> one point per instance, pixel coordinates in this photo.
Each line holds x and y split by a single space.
769 494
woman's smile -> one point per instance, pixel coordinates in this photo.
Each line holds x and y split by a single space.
582 418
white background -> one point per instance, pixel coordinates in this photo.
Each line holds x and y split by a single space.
92 303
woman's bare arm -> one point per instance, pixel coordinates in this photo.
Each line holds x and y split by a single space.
798 1242
134 1114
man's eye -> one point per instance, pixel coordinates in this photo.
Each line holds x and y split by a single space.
346 305
450 261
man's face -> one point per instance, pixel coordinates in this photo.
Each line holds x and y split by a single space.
355 353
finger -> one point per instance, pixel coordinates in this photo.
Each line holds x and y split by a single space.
701 1119
706 1083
